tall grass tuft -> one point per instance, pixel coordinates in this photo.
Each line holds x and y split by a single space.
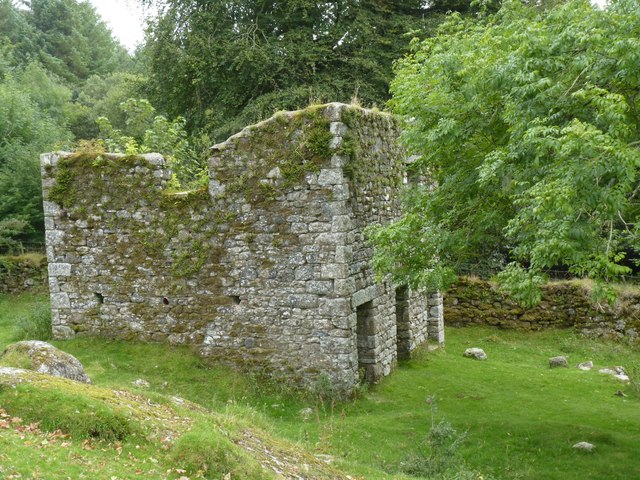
633 372
36 325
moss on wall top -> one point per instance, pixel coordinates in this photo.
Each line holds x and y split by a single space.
83 177
273 156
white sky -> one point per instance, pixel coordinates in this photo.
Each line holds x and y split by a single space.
125 18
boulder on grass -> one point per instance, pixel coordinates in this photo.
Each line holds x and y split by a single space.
616 372
584 446
44 358
476 353
560 361
586 366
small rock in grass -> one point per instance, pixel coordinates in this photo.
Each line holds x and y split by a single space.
584 446
620 393
476 353
559 361
141 383
586 366
306 413
43 357
616 372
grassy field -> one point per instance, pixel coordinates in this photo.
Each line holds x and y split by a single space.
519 418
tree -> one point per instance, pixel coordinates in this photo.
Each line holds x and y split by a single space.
72 41
223 65
50 54
25 132
528 123
148 132
101 96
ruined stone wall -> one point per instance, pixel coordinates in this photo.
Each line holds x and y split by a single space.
563 305
21 273
370 179
292 205
266 267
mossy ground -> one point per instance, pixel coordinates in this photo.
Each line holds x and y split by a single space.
521 418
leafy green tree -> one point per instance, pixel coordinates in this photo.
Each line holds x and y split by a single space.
528 123
101 96
148 132
50 95
17 33
72 41
26 131
10 230
51 53
226 64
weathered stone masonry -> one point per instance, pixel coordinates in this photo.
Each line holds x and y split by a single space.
564 304
267 267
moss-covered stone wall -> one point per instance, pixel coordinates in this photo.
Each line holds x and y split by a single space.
564 305
23 272
266 268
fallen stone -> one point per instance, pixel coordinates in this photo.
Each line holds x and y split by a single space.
141 383
620 370
476 353
618 373
44 358
559 361
584 446
586 366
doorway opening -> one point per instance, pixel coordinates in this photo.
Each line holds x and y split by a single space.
403 329
366 333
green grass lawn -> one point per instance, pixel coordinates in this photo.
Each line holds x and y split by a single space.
520 417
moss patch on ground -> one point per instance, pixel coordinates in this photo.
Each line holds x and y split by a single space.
178 437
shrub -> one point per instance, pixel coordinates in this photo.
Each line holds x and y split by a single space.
439 456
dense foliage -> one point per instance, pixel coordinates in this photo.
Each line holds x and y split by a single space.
146 131
54 57
223 65
528 122
27 128
66 36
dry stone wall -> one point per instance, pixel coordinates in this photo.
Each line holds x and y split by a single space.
21 273
564 305
267 267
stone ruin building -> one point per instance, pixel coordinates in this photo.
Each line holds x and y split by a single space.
267 268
